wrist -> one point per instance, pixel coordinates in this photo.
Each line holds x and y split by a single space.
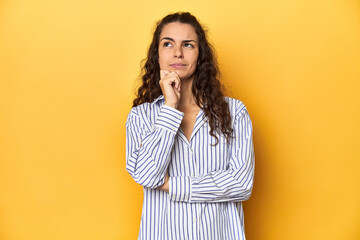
173 105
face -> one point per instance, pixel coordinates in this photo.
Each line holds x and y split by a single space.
179 49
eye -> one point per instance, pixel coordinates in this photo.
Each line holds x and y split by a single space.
167 44
188 45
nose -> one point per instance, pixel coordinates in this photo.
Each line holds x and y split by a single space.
178 52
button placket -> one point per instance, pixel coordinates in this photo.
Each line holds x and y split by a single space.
193 170
196 171
187 167
195 219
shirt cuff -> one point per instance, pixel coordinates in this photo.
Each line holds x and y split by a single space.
169 118
180 188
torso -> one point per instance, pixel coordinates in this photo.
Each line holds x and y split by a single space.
188 121
200 158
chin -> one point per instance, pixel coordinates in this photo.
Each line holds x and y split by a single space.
179 73
184 76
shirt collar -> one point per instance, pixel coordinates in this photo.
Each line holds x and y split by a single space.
161 97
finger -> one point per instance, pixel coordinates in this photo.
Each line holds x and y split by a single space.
164 73
171 78
177 82
173 74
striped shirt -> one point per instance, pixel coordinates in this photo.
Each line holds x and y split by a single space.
206 183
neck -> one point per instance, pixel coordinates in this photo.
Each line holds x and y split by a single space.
187 98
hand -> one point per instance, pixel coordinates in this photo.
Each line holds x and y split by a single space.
165 186
170 87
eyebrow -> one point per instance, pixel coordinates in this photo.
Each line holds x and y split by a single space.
170 39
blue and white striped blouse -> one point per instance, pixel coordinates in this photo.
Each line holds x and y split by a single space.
206 183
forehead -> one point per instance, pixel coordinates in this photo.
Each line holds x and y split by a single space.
178 31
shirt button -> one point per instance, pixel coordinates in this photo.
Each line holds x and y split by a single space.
194 219
173 198
186 198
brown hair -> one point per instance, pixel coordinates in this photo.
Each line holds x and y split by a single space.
206 86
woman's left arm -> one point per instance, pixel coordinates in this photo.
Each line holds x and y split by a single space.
232 184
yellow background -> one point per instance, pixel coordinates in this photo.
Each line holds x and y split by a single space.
67 77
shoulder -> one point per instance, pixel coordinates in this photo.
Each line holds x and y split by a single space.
237 107
149 107
146 111
140 110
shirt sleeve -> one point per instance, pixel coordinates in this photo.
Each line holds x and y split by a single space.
232 184
148 151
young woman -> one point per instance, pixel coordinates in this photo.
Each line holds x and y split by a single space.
187 144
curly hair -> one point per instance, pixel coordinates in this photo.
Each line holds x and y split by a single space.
206 87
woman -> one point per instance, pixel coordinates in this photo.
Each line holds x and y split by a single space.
188 145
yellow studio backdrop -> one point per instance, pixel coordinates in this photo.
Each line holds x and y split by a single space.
67 78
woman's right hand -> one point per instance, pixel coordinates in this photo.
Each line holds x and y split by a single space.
170 86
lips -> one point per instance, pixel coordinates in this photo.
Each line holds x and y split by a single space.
178 65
